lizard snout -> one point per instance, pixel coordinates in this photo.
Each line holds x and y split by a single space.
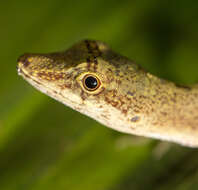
24 60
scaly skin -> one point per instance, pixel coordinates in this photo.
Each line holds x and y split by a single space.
128 99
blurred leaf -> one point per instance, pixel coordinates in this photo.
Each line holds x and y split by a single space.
45 145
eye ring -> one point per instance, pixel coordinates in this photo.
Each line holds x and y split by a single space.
91 82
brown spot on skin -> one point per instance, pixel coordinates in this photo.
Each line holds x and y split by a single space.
124 111
119 82
110 70
24 59
130 93
105 116
121 102
113 103
93 51
65 86
110 79
117 72
173 100
95 65
68 76
91 58
26 63
155 123
88 45
136 110
163 113
82 95
142 97
88 64
135 119
51 76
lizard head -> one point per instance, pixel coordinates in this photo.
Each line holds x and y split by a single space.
92 79
86 77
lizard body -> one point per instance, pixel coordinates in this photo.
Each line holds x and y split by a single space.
92 79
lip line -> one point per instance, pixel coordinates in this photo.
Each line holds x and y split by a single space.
28 77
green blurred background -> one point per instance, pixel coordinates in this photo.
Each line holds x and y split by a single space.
43 144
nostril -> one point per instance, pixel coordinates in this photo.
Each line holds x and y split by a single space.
24 60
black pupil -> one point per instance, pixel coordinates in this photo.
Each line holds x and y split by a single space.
91 82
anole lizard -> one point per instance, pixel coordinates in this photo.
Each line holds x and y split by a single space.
92 79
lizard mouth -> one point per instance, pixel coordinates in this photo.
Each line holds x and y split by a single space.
41 84
21 71
24 70
24 73
23 63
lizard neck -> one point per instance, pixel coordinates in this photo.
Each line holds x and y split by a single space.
169 110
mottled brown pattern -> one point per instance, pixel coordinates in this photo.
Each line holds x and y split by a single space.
129 99
135 119
51 75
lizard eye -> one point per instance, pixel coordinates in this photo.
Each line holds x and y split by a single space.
91 82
